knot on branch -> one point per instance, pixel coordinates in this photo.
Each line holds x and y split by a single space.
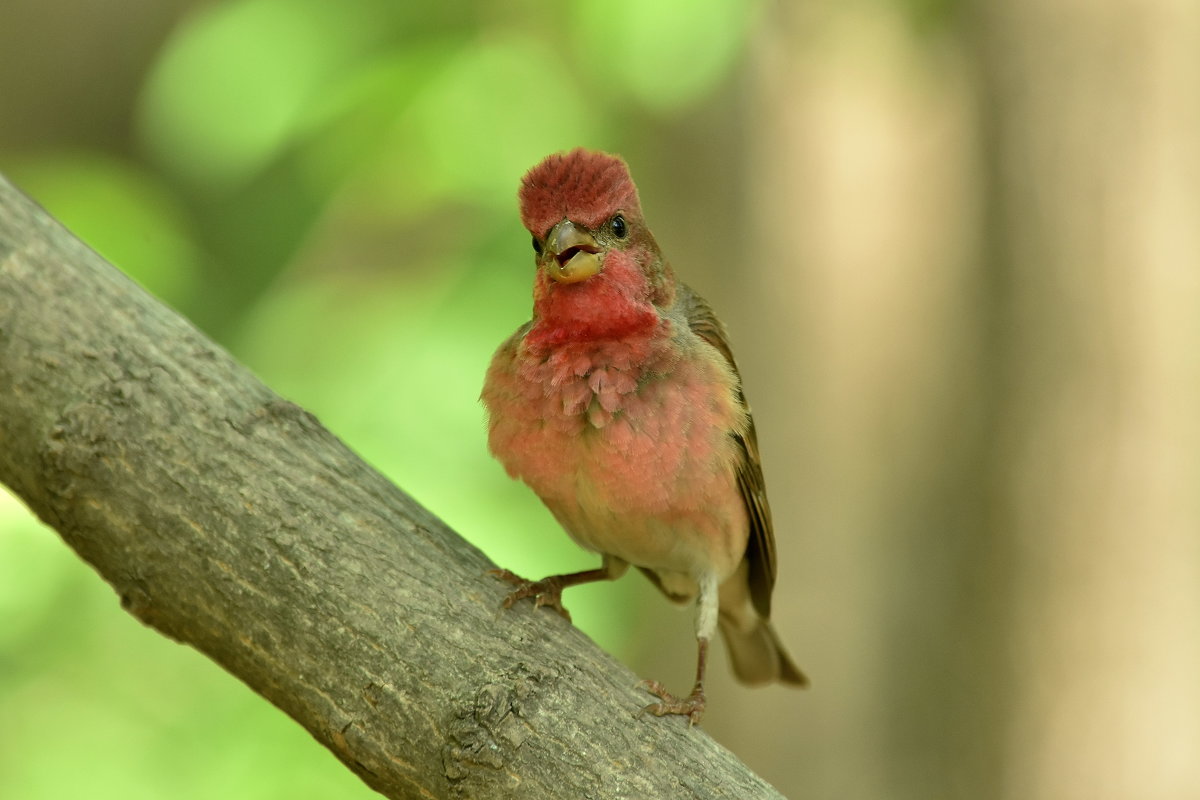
493 724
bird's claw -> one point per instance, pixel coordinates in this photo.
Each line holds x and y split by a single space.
691 706
546 592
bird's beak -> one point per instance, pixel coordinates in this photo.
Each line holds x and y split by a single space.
572 254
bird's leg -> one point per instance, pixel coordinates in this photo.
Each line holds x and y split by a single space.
691 706
548 591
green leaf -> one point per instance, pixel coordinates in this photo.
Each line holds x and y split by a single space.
234 83
667 53
489 111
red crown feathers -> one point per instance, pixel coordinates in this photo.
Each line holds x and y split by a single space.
584 186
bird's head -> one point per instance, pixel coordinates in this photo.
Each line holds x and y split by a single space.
592 247
582 210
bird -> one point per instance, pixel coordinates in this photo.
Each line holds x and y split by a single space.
620 405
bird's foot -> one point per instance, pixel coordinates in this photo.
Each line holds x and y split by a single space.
691 706
546 592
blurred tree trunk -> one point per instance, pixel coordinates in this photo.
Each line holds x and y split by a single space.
980 250
1092 119
864 226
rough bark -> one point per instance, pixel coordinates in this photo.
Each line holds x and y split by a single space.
229 519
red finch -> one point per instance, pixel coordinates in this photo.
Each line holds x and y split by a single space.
620 405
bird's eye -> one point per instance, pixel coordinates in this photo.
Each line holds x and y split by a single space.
619 227
537 246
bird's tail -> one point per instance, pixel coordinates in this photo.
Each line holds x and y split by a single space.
758 656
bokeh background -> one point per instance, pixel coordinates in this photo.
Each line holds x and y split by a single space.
957 245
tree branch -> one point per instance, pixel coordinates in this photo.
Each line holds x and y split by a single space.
231 520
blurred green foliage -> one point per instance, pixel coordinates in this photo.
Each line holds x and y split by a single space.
328 189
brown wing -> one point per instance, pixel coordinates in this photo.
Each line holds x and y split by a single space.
760 550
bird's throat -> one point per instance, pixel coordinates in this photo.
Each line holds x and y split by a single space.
598 309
